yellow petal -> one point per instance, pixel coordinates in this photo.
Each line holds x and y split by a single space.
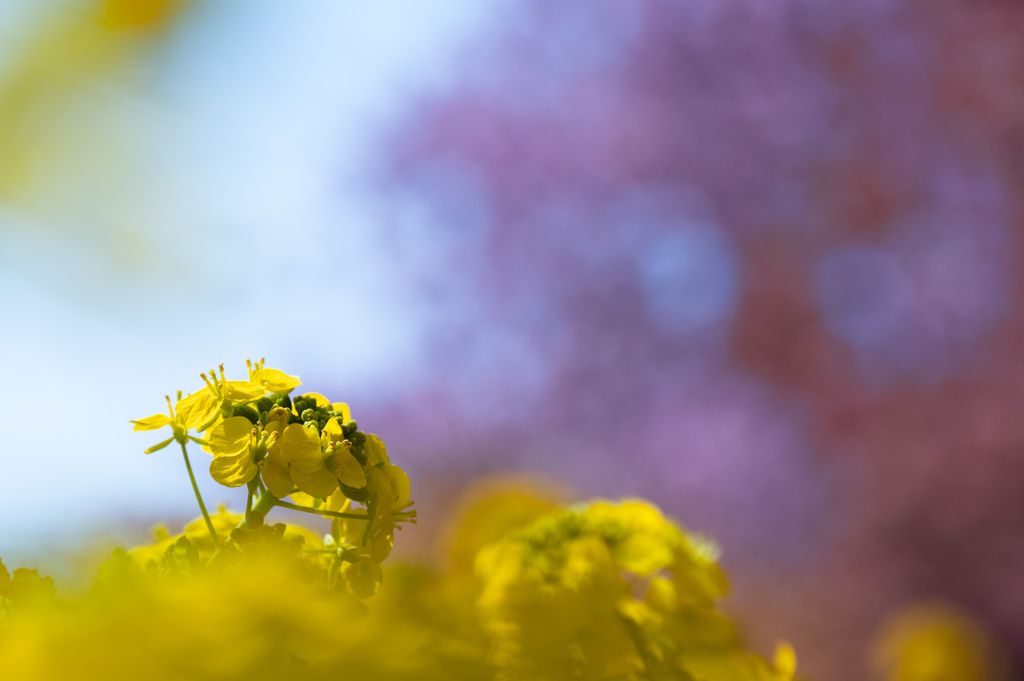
380 547
378 482
275 381
198 408
233 470
303 499
785 661
318 483
300 447
352 530
342 408
320 400
346 468
231 436
152 422
242 391
375 451
310 539
276 475
338 502
333 430
399 486
223 522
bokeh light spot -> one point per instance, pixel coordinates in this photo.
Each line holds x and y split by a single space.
689 279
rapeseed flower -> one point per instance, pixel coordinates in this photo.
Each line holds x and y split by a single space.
272 380
551 601
389 496
241 450
179 427
203 408
535 591
559 597
319 462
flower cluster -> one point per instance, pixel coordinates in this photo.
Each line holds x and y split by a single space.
305 448
530 591
612 591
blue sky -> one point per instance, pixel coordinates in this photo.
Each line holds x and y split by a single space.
219 216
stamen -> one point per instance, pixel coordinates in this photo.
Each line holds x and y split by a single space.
169 407
214 387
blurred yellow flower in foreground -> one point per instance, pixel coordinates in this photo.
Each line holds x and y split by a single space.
601 591
534 590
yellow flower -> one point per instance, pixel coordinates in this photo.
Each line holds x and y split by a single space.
240 450
338 458
319 462
936 641
784 661
272 380
388 488
223 522
203 408
375 451
178 427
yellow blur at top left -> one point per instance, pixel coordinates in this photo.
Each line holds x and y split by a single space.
57 74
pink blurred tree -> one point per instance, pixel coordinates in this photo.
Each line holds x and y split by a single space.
757 261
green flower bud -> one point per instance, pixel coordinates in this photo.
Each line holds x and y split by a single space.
248 412
360 495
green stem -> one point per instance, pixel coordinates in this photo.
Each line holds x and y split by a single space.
315 511
263 505
248 505
199 497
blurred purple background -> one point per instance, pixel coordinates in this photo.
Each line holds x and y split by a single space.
756 261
